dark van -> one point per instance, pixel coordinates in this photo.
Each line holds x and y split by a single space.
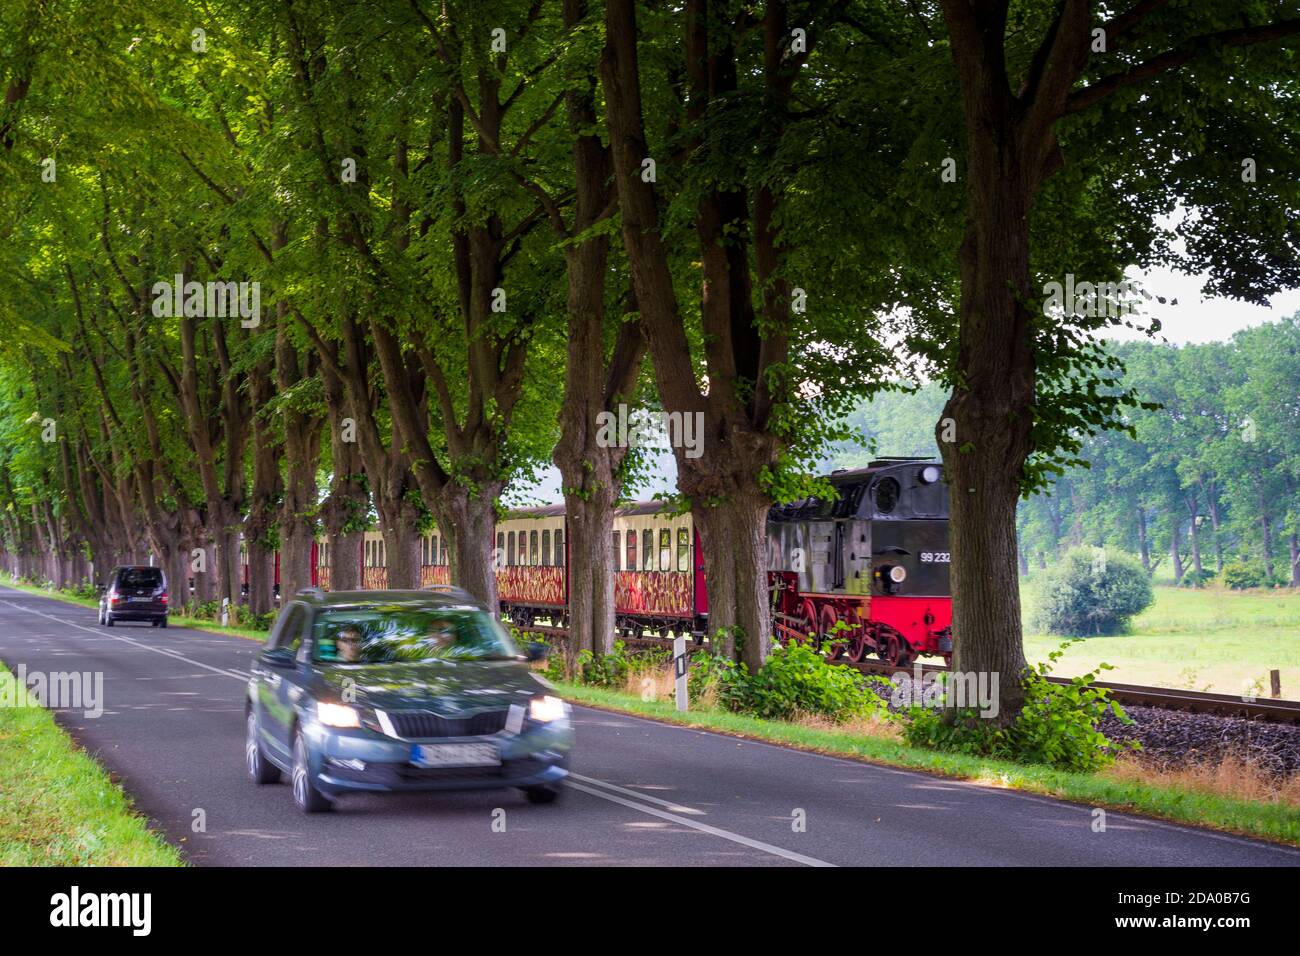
134 593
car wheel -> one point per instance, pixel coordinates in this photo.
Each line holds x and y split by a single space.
260 770
544 793
108 619
101 616
164 623
305 795
153 623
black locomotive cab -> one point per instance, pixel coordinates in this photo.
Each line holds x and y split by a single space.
886 533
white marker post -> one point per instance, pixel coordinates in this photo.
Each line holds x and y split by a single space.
679 669
225 612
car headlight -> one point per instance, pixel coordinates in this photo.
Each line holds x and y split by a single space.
547 709
897 574
337 715
930 474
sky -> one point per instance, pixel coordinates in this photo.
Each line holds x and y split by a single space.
1194 320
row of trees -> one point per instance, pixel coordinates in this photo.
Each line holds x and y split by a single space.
1213 474
475 227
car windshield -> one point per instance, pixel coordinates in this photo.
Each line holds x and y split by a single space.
141 578
397 633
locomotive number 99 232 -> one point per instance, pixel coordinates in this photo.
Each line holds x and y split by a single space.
936 557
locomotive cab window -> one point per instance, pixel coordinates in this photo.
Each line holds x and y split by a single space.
886 495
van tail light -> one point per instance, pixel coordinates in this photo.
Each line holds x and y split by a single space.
163 598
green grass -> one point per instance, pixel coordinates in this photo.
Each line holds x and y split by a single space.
1271 821
1195 639
58 807
174 620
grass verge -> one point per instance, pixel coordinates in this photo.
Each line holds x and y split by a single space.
173 620
58 807
1118 789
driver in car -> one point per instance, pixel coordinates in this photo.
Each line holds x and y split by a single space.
349 645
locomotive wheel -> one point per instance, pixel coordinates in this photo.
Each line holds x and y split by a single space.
807 624
828 634
856 649
890 650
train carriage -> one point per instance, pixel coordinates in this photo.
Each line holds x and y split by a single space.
531 565
658 571
868 567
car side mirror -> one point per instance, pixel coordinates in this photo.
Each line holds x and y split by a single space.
281 657
536 651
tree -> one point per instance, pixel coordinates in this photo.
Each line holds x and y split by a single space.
1029 99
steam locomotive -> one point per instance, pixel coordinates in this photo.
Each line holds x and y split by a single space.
874 559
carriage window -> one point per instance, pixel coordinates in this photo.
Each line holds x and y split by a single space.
532 548
647 550
500 556
613 551
444 551
886 495
383 555
559 548
510 549
683 550
546 547
433 549
631 550
665 549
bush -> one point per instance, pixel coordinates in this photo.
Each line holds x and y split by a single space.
85 590
1244 573
1196 579
795 679
1085 595
1058 725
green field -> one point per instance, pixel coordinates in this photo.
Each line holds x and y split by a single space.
1210 639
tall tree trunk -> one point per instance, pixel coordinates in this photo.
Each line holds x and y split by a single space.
992 413
1144 548
1176 546
473 541
1193 536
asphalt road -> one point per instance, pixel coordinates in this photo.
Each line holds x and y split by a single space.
642 793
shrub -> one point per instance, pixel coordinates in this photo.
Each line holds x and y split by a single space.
1245 573
1083 595
85 590
795 679
1196 579
1058 725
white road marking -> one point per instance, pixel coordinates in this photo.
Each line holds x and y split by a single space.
166 652
694 824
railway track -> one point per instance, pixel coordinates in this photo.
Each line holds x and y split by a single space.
1167 698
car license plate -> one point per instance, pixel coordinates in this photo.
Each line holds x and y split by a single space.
135 599
455 755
